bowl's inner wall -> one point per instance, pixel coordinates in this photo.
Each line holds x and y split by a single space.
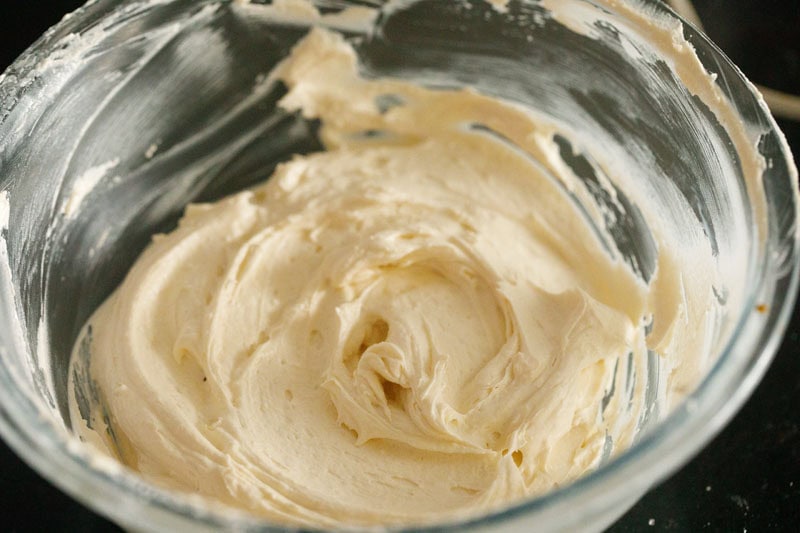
163 107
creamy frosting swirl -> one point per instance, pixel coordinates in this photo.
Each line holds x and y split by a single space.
416 323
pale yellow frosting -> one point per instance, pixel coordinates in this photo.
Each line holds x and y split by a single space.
410 326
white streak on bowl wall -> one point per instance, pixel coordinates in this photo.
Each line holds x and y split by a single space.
5 211
501 6
44 370
15 342
14 339
84 185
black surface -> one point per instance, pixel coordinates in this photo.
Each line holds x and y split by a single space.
747 479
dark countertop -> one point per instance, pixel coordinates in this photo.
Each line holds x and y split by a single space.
747 479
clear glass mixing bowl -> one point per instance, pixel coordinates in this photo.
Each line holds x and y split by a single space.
126 111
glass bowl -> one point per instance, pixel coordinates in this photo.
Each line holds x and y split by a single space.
128 110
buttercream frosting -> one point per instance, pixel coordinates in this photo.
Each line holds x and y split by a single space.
417 323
